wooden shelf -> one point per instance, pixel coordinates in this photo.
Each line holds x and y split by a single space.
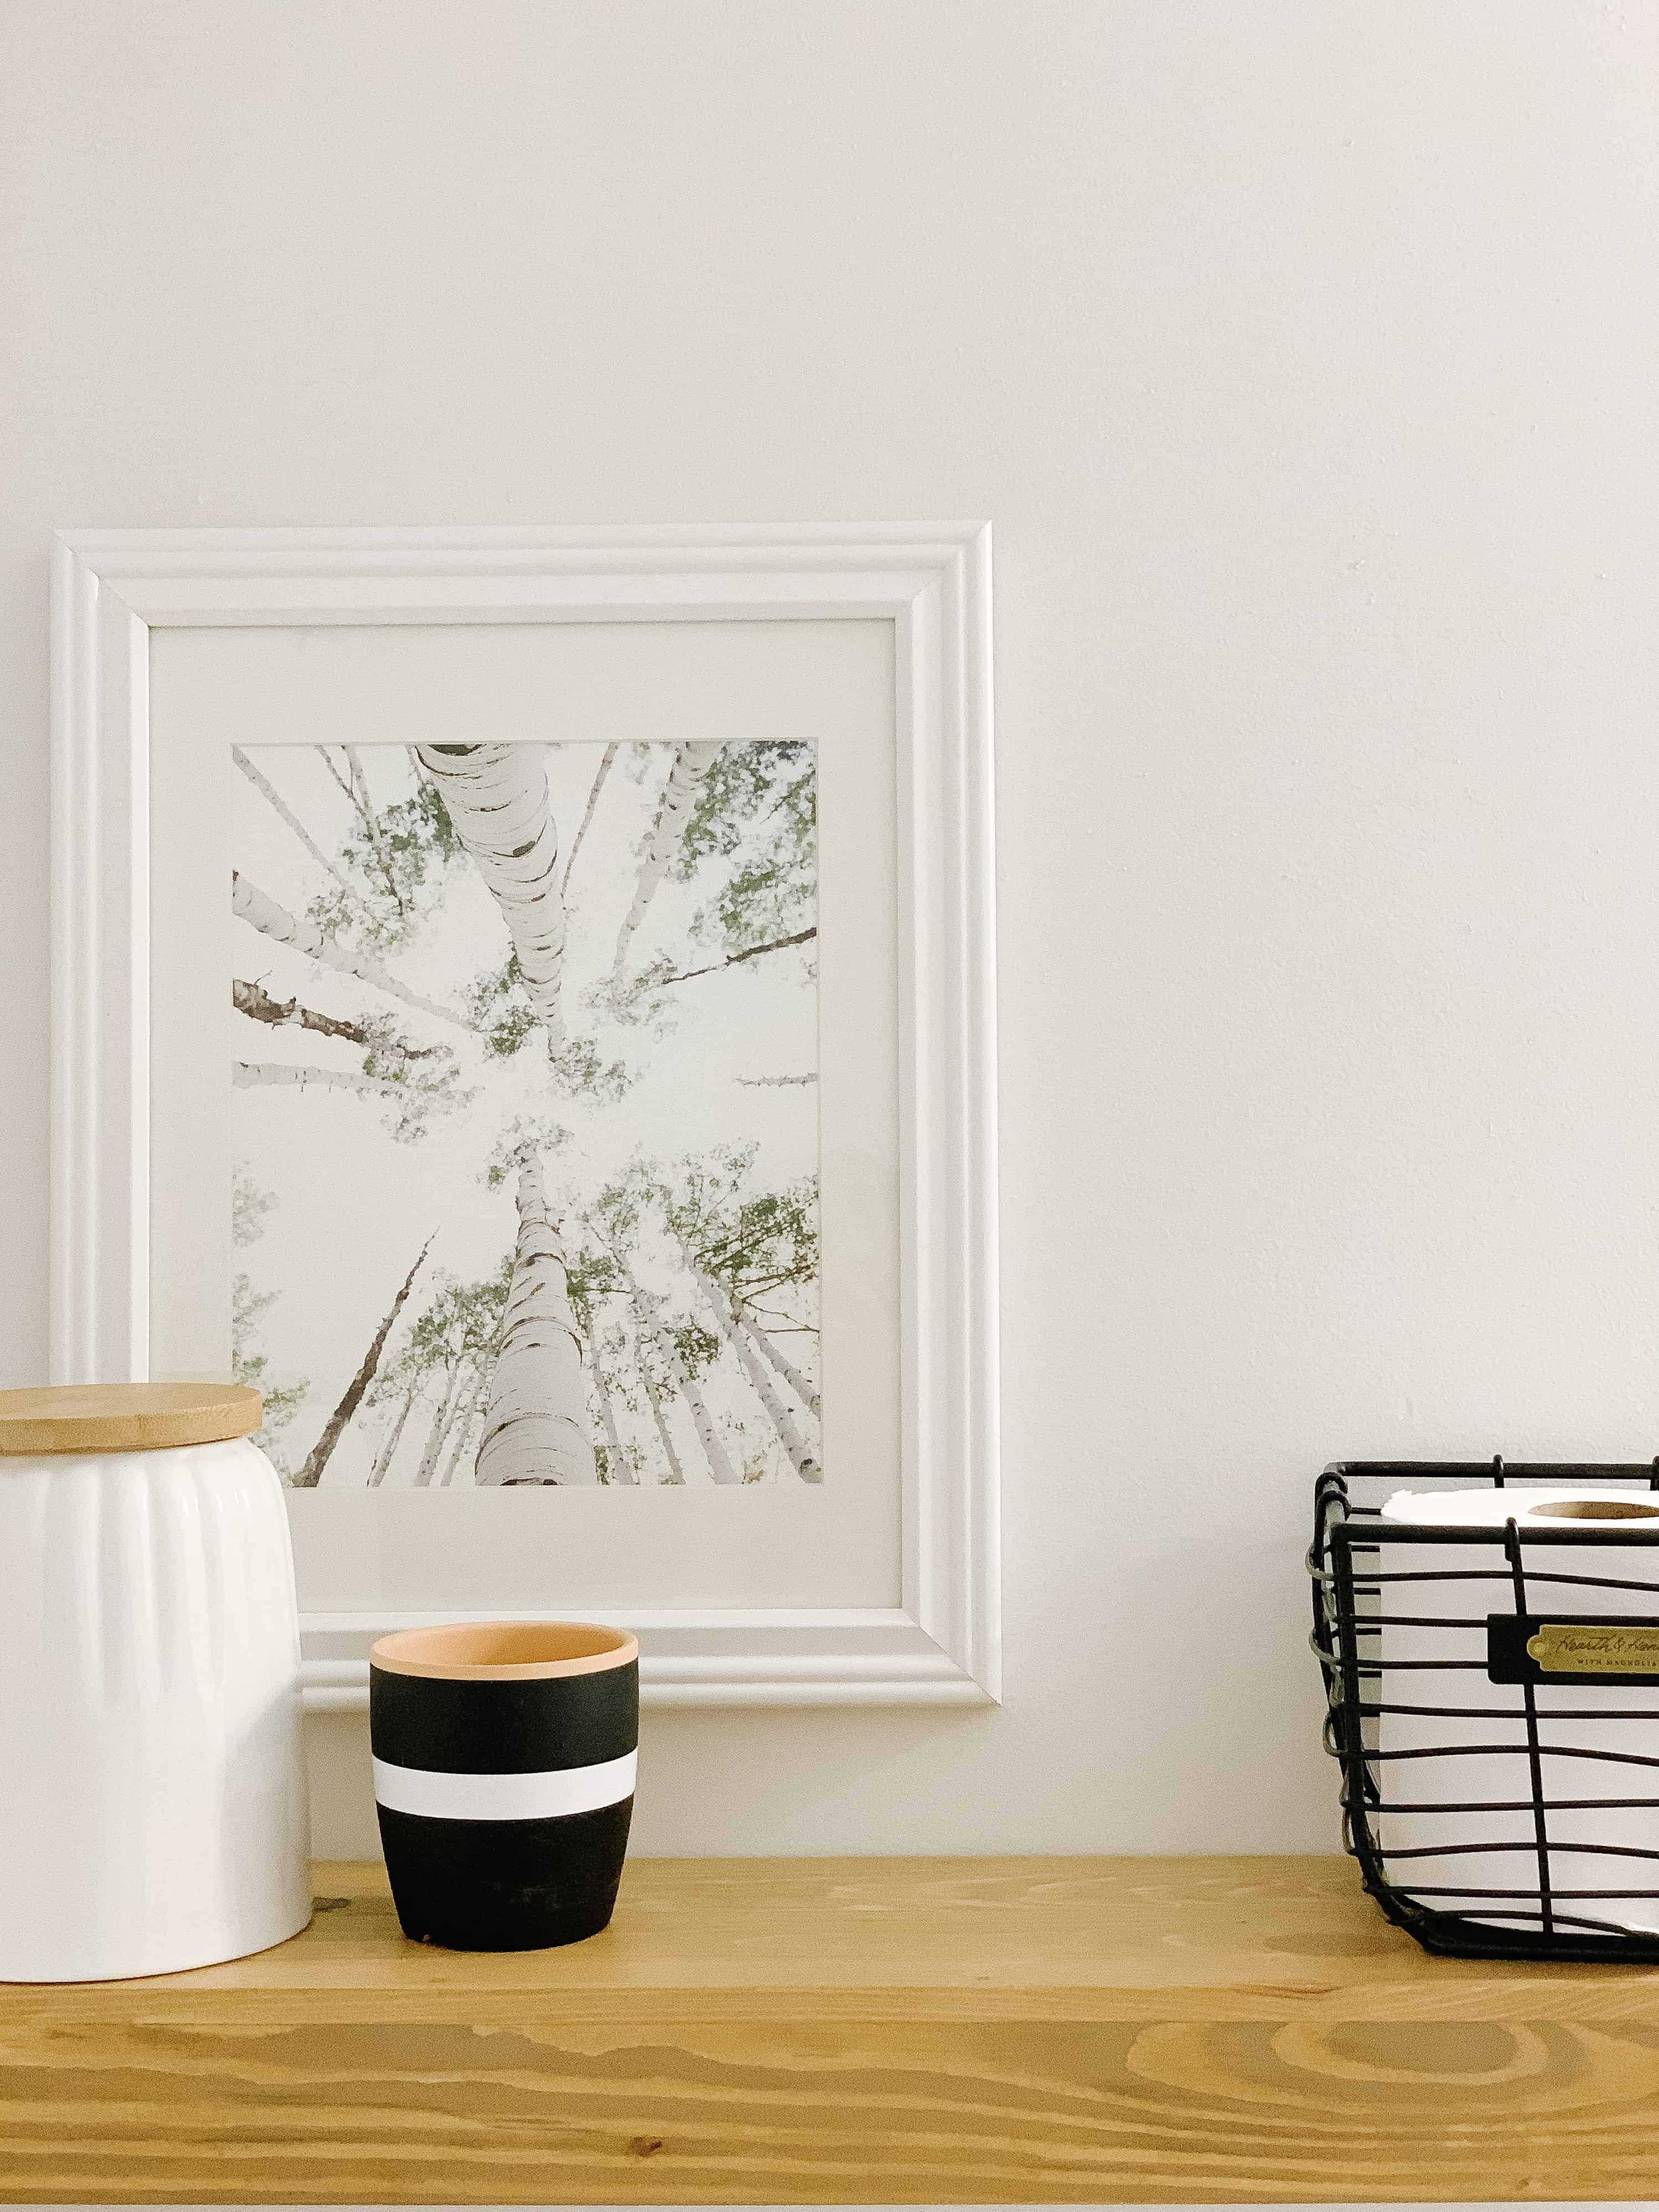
877 2031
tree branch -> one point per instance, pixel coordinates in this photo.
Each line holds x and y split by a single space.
274 797
318 1458
735 959
255 1001
262 912
328 763
371 823
247 1075
603 771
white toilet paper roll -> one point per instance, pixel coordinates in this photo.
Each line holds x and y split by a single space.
1465 1861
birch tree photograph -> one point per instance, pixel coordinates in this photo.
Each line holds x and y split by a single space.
524 1070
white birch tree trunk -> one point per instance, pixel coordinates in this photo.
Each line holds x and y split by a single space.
618 1469
792 1375
497 799
393 1436
354 786
603 771
274 797
719 1466
257 1074
371 821
263 912
536 1422
801 1458
691 763
676 1473
438 1434
463 1430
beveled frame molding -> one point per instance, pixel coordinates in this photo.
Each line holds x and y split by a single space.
941 1645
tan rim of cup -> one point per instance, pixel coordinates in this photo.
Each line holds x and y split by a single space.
505 1650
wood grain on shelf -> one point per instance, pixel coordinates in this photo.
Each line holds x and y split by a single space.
829 2031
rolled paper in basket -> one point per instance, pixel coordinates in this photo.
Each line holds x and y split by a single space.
1456 1827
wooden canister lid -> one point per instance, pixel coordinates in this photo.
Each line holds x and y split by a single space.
125 1417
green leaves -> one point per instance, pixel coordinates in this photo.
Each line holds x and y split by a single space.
249 1205
461 1321
590 1274
499 1010
524 1132
421 1079
754 1242
698 1346
759 803
745 784
392 858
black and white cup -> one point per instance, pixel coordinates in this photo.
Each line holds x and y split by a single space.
504 1755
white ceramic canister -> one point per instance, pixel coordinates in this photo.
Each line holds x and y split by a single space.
1473 1861
153 1812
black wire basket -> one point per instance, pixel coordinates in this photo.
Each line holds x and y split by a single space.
1536 1670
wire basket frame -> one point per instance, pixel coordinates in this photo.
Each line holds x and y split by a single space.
1368 1617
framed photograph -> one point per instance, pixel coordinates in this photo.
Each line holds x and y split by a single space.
524 999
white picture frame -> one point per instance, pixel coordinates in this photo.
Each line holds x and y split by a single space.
112 590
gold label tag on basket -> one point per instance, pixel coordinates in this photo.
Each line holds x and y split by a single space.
1577 1647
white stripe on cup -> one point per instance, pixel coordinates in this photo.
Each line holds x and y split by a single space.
543 1797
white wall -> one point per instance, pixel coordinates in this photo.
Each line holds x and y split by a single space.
1303 355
